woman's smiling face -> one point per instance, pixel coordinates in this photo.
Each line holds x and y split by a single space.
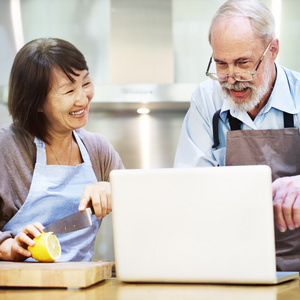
67 104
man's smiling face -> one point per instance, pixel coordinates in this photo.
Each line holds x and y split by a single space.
236 48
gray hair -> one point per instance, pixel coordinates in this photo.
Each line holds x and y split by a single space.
260 16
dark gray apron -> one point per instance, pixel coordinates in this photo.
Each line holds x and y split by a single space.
278 149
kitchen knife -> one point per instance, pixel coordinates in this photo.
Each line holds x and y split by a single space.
77 221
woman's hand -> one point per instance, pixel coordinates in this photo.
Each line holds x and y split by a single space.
286 202
98 196
15 249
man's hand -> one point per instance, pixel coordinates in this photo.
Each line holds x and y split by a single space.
286 202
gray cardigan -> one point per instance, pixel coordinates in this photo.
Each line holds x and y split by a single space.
17 161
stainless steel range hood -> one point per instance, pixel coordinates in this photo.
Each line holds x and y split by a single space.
141 58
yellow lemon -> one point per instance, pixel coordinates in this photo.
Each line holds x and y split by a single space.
46 248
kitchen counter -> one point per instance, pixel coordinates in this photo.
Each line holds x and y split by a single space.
112 289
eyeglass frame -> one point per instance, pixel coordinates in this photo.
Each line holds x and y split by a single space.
233 75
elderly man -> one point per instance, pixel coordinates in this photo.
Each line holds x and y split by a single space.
248 113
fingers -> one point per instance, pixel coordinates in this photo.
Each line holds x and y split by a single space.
39 226
33 230
286 203
19 247
296 212
287 211
23 239
278 214
84 201
98 196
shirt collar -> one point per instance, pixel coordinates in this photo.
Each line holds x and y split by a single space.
281 97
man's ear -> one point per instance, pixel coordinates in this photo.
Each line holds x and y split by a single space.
274 48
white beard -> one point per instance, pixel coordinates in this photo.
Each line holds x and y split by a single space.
257 93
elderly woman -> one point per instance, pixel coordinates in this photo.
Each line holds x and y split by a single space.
49 166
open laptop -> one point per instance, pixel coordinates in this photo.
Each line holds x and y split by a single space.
210 225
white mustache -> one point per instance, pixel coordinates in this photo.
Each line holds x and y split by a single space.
237 85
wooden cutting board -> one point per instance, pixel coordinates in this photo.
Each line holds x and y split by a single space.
56 274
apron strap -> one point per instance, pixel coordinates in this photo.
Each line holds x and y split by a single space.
235 124
215 123
288 120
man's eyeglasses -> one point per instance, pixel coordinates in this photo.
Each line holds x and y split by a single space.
241 76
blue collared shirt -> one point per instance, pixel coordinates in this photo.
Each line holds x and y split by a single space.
196 139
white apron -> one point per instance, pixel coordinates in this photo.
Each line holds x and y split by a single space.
55 193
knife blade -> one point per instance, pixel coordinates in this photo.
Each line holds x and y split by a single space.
77 221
